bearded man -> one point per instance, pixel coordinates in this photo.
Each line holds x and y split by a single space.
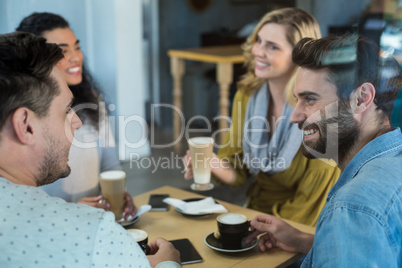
345 94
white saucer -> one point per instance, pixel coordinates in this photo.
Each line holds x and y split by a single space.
193 214
216 244
130 221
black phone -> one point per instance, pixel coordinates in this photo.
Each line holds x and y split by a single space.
188 254
156 202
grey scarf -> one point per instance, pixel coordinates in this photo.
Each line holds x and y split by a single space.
260 153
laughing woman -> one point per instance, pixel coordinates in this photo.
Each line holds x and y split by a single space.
286 183
93 150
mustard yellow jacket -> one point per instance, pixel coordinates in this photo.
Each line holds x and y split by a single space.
298 193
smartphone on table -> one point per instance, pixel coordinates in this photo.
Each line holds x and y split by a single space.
156 202
188 254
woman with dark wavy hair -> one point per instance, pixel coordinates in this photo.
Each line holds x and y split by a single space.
93 150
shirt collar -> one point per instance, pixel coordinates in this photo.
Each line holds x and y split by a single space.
382 145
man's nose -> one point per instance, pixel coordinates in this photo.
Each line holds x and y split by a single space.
298 115
76 122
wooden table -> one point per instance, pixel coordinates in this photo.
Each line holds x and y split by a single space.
172 225
224 57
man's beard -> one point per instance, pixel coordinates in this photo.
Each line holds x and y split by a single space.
50 169
346 130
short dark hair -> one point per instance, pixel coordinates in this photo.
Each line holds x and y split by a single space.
38 23
352 60
26 62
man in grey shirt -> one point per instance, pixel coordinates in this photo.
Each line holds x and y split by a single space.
36 121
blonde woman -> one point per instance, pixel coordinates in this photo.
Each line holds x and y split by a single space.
262 143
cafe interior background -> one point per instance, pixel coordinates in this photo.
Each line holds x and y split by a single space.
125 44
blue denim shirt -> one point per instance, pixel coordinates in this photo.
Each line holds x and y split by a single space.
361 225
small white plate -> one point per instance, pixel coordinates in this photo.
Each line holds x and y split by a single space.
216 244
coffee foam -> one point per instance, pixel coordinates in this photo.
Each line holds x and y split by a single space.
138 235
232 218
201 142
113 175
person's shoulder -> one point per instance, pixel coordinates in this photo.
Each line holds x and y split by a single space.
88 219
321 163
34 205
321 167
374 191
385 170
50 205
18 192
80 209
241 95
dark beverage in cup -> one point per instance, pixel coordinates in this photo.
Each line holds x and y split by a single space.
233 227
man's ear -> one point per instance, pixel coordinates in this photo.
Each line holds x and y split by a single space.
364 97
23 121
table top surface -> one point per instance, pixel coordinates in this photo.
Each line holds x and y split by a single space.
173 225
220 54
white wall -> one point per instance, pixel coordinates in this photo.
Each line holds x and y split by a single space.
13 11
110 34
130 79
